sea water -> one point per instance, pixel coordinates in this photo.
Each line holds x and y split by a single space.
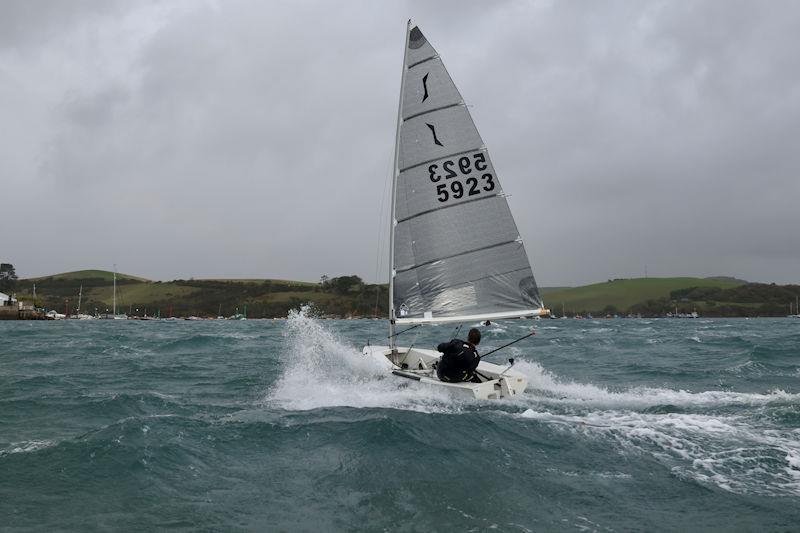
627 424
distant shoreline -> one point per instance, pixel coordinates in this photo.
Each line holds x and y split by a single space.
351 297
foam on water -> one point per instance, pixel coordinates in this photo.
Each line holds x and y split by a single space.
27 446
545 387
739 453
321 370
730 452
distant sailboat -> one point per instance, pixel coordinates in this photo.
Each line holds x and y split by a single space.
455 252
78 315
114 316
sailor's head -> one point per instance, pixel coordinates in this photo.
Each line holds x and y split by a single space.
474 336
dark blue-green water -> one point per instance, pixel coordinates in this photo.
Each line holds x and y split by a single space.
643 425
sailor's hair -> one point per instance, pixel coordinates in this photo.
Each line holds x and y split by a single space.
474 336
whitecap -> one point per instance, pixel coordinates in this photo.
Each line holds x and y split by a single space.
27 446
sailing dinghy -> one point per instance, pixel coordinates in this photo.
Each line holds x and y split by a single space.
455 254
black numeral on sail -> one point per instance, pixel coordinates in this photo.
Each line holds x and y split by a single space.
457 188
463 165
434 176
489 185
471 185
441 190
448 167
480 161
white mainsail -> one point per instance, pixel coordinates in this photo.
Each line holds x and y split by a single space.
456 253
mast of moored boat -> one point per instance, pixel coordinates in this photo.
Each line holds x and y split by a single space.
395 173
114 306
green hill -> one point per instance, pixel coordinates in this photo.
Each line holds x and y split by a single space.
89 274
343 296
620 295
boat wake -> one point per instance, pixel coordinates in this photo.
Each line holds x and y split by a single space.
546 388
719 437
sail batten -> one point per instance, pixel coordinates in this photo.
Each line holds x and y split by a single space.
456 249
435 56
522 313
422 113
454 154
430 261
421 213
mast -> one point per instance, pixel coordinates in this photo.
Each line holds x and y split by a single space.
395 173
80 295
115 291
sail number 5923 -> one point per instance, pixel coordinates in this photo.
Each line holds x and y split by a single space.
453 188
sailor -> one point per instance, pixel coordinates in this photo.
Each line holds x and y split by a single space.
459 359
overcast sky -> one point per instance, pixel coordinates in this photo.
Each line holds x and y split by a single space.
254 139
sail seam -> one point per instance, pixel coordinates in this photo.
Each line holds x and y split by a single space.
421 61
480 148
482 248
448 106
446 207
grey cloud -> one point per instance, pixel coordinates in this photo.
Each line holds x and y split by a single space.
251 139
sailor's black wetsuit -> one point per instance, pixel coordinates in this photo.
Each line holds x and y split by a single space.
458 362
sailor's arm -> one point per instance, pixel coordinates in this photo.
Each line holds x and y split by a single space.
445 346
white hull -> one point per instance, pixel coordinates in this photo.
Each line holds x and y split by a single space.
416 365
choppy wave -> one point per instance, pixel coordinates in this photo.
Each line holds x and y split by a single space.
730 452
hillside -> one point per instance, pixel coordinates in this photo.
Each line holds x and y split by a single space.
350 296
89 274
620 295
262 298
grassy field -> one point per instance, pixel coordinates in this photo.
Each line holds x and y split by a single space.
549 290
140 293
623 293
258 280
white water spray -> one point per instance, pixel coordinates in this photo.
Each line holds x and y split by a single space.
321 370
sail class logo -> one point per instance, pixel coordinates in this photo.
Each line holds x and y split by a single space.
433 131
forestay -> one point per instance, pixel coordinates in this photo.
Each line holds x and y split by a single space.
457 253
